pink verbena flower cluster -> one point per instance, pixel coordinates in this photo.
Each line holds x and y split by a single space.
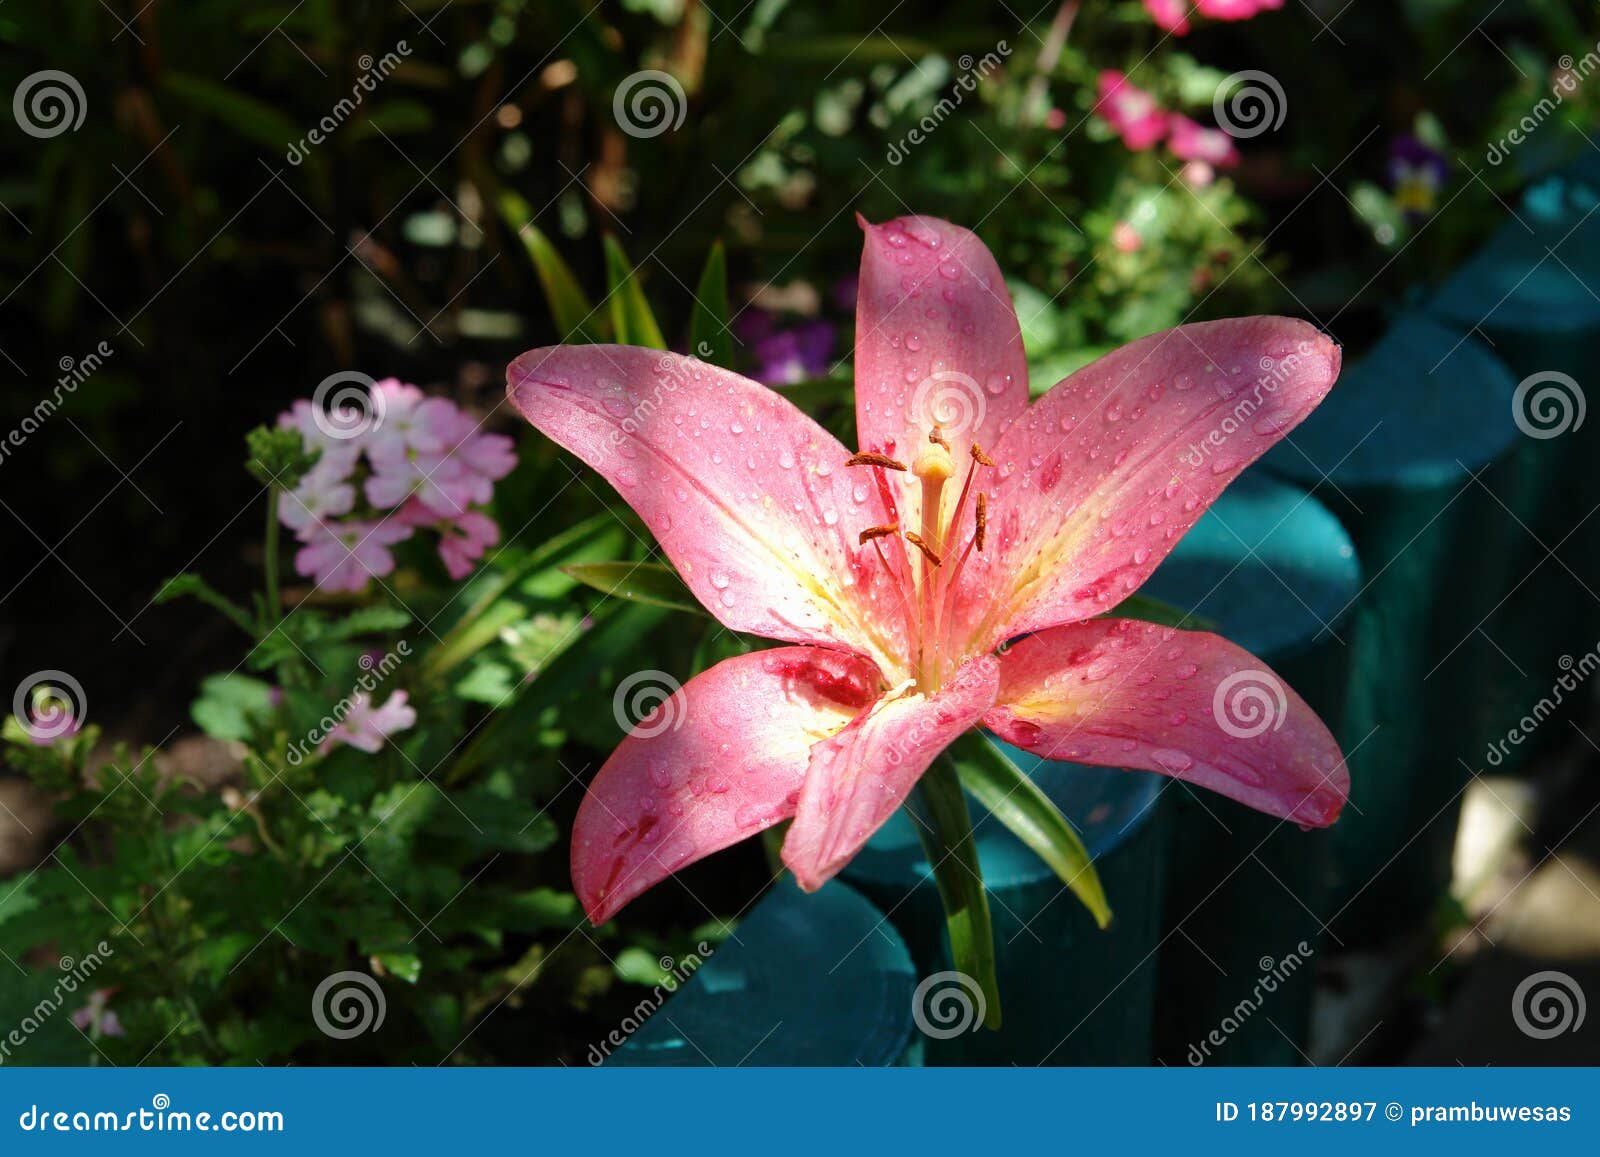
404 462
1141 122
1173 15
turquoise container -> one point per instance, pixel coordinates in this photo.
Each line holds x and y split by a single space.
1394 451
1247 894
1071 993
804 980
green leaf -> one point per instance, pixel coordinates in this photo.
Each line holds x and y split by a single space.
569 306
1150 610
1016 801
231 707
368 621
710 339
946 834
247 116
651 583
193 586
631 319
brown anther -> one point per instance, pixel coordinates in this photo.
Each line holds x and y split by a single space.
873 532
937 438
980 457
915 540
982 517
868 459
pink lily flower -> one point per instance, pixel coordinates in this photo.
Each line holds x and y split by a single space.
1192 141
898 574
1132 112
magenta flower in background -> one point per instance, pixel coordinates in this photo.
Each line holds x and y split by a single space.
415 462
1171 15
782 357
1191 141
1131 112
366 727
968 519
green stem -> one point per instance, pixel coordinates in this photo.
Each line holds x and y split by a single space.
946 835
270 563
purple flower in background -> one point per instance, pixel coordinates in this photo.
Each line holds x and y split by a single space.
1416 174
96 1018
783 357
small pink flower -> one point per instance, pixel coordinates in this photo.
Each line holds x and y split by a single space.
346 556
325 492
1126 238
1197 174
1235 9
1171 15
96 1018
366 728
1191 141
462 543
1130 111
1055 120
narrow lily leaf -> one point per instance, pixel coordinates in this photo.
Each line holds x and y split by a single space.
947 842
631 319
1152 610
1016 801
569 307
640 582
709 336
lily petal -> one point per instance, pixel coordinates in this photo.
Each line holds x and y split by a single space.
937 343
860 776
1103 475
749 497
718 761
1121 693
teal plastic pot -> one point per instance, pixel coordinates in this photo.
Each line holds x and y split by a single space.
804 980
1071 993
1247 894
1393 452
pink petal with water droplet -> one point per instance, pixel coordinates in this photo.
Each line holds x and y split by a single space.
859 777
764 547
1073 535
717 762
1224 720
